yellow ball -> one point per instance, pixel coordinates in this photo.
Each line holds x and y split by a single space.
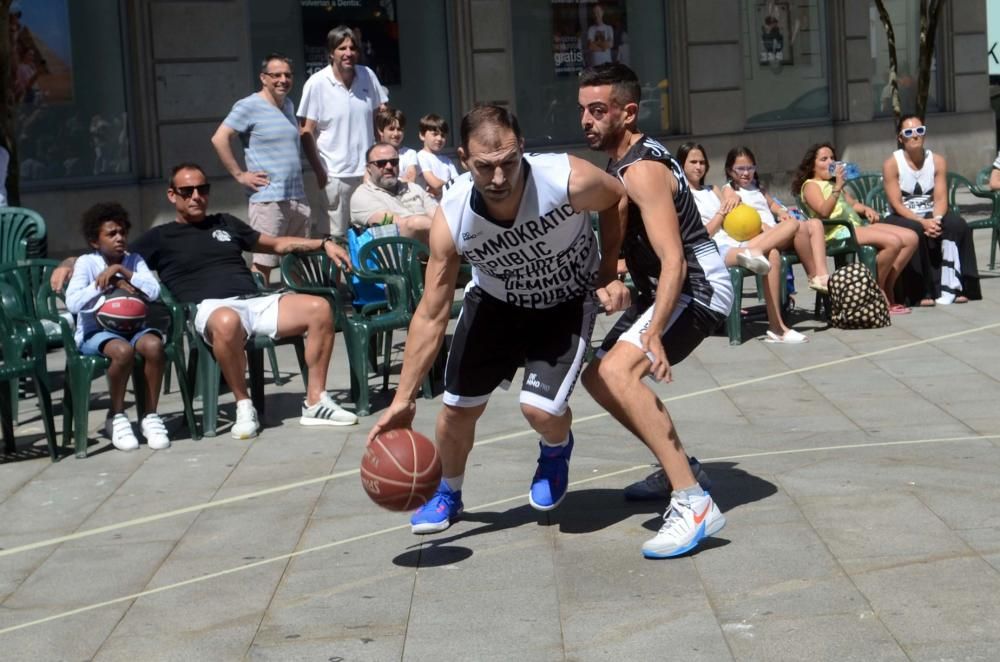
742 223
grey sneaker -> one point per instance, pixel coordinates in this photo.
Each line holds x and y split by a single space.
656 486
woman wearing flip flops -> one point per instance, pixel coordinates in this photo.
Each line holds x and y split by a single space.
819 183
943 268
760 254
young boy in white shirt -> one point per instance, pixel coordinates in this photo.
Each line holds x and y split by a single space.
110 266
436 169
390 124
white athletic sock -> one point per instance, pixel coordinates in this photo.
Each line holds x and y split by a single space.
559 445
455 483
693 491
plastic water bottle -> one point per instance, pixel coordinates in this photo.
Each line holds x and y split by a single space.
851 170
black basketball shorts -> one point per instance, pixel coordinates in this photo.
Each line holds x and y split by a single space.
493 339
689 324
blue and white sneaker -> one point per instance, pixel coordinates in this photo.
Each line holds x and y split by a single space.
438 513
688 521
656 486
548 487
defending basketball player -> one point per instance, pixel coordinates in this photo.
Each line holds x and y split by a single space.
684 294
109 267
521 221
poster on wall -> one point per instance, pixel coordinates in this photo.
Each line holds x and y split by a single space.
587 33
776 39
41 54
374 24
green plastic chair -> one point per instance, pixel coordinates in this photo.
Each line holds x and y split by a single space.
876 200
315 273
981 189
22 234
863 184
204 374
13 366
734 322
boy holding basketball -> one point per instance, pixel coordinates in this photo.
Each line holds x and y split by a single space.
110 270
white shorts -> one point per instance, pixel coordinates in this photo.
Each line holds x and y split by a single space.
258 315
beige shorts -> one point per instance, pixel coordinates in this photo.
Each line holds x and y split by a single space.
337 199
281 218
259 315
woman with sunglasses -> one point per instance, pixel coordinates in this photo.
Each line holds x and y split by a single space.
943 268
808 240
819 182
759 254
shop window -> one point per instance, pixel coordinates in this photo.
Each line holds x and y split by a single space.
785 71
905 17
554 40
72 118
404 42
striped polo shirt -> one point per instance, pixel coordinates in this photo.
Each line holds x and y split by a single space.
270 140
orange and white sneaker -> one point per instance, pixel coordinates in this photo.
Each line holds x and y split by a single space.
688 521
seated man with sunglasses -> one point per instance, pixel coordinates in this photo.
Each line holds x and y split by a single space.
383 198
199 257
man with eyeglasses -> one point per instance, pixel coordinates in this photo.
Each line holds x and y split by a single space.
337 111
199 257
266 126
383 198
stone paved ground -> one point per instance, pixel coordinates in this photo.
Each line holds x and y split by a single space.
858 474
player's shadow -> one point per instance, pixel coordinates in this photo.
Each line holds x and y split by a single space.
587 511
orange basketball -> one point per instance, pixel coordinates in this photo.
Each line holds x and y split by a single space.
400 469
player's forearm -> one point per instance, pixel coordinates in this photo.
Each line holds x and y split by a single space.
423 342
311 152
225 153
289 245
668 292
611 245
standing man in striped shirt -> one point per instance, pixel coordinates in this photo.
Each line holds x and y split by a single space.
266 125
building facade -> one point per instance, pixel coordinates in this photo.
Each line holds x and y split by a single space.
131 87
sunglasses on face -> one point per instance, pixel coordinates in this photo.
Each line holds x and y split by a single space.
914 131
381 163
187 191
745 170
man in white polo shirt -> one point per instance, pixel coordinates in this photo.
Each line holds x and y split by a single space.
337 109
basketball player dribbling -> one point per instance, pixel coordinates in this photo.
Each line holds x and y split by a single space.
521 222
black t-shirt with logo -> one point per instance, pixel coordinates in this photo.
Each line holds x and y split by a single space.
198 261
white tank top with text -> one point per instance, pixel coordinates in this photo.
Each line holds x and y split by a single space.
548 255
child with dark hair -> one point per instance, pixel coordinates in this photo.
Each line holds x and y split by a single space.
96 275
390 124
435 168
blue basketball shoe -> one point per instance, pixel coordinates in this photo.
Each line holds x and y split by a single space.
548 487
438 513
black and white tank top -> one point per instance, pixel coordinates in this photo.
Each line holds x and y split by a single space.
548 255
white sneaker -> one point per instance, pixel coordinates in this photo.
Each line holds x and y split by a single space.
119 429
758 264
326 412
688 520
246 424
155 432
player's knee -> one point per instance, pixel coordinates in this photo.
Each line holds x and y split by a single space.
150 346
538 419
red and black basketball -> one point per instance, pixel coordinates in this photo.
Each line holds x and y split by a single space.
121 312
400 470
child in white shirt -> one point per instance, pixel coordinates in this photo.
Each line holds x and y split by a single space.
110 266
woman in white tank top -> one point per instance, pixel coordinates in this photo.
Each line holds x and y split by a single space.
943 269
759 254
